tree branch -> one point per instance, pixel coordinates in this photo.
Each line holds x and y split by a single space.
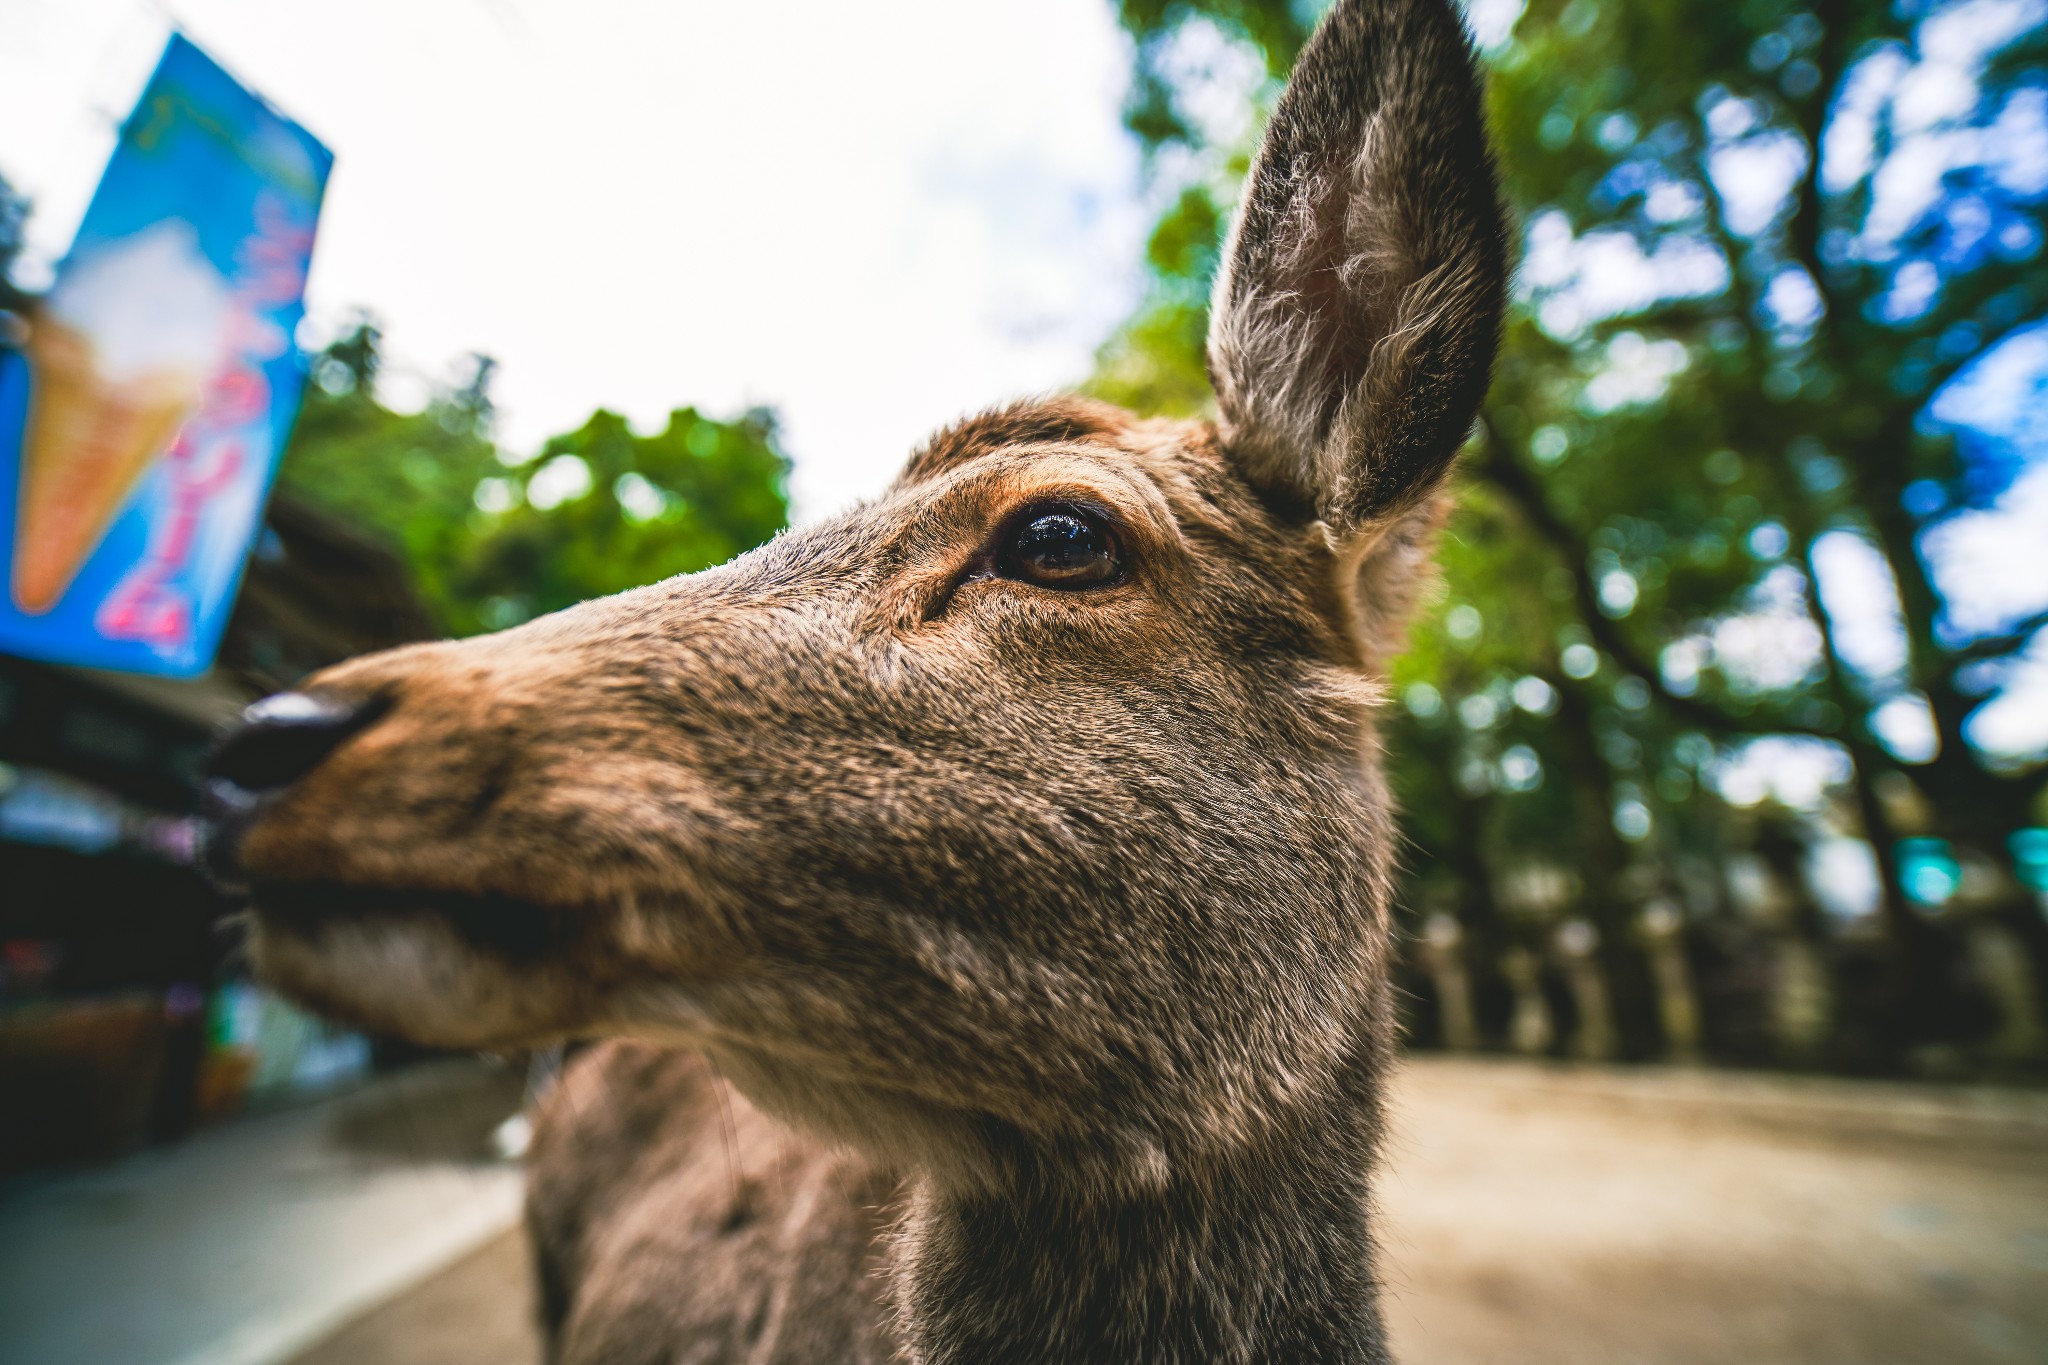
1504 470
1999 645
1810 116
1940 374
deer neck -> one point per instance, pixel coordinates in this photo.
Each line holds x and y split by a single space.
1264 1257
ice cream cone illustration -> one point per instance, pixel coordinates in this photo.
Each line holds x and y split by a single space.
118 359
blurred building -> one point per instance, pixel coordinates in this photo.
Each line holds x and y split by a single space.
122 1017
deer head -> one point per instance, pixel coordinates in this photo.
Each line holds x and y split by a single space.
1028 815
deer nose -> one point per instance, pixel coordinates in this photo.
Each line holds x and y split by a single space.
283 737
277 741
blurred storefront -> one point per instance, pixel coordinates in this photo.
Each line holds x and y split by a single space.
153 590
124 1014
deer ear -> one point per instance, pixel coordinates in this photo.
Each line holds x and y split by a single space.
1356 315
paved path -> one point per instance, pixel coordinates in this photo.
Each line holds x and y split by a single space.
1530 1216
1579 1218
1537 1216
250 1241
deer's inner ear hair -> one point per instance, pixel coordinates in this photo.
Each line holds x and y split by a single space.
1060 545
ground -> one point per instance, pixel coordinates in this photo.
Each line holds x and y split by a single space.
1529 1215
247 1241
1544 1217
1578 1217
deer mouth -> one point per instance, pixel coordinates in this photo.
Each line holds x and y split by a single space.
437 967
519 931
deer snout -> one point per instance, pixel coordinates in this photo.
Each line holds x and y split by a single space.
277 741
361 819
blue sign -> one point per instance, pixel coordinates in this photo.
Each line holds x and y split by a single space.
141 421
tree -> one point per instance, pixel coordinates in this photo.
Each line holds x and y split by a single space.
494 539
410 477
603 509
1720 409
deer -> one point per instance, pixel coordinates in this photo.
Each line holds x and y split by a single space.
975 905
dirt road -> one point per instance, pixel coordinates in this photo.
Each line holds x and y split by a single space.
1583 1218
1536 1216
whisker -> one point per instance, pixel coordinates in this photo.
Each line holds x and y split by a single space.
729 1132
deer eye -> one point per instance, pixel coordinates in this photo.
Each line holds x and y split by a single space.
1064 547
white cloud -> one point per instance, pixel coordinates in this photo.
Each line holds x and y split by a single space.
1773 645
1962 36
872 216
1492 22
2001 393
1849 144
1844 875
1992 566
1756 177
2014 724
1579 280
1794 772
1905 725
1862 601
1216 80
1634 371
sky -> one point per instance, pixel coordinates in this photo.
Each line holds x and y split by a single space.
1988 561
871 217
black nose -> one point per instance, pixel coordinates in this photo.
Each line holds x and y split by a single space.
282 738
277 741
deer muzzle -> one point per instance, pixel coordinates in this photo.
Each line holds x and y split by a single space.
413 840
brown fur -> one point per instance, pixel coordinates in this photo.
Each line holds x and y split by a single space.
717 1234
1068 907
